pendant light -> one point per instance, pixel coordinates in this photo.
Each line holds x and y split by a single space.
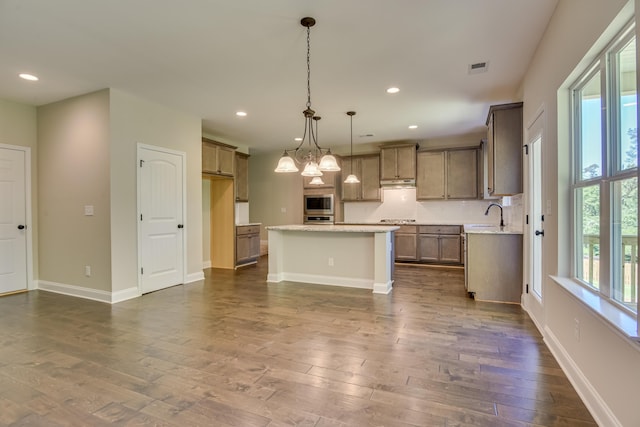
309 156
352 178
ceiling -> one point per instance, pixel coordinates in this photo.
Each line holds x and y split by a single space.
211 58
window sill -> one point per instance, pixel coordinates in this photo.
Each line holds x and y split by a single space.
615 317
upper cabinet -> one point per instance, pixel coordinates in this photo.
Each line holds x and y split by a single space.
242 177
504 150
217 158
447 174
398 162
367 169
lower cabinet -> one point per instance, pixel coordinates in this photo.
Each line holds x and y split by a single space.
440 244
493 269
406 243
247 244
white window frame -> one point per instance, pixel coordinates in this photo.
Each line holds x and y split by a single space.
610 171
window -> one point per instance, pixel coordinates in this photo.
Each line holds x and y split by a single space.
605 174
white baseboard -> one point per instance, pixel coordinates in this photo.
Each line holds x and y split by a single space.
194 277
317 279
206 264
75 291
125 294
589 395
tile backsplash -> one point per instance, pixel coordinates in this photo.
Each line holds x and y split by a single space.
402 204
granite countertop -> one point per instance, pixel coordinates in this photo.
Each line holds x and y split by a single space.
338 228
248 223
491 229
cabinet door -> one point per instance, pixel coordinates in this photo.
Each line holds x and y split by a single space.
254 246
209 158
242 248
370 177
242 177
490 158
406 162
462 174
388 162
450 248
430 182
406 246
226 157
507 151
429 247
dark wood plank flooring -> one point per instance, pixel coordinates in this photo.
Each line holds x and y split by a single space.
234 351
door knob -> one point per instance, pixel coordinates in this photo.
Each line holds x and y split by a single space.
180 226
21 227
539 233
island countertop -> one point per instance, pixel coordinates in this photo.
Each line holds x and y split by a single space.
336 228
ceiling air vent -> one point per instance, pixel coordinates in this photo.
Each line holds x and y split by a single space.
478 67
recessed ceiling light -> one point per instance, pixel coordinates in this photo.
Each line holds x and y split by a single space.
29 77
413 127
297 139
393 90
241 113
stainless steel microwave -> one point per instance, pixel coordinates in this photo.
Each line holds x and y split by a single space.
318 204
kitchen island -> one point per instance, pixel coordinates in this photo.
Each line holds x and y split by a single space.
359 256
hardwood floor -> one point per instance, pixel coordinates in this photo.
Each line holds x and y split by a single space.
234 351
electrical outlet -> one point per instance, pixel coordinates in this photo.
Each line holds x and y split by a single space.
330 261
283 210
87 270
576 329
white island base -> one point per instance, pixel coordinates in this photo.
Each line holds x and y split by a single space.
357 256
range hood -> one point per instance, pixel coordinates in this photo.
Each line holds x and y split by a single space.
398 183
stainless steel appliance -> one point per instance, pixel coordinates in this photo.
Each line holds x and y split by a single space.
318 219
319 208
318 204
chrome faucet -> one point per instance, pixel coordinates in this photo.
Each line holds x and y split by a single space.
498 205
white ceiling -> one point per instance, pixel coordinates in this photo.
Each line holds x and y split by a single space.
211 58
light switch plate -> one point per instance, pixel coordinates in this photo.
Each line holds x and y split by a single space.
88 210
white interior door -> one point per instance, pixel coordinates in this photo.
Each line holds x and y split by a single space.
534 231
161 217
13 232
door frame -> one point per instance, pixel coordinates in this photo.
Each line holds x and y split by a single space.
183 157
531 302
31 285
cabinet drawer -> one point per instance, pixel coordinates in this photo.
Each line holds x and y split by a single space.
407 229
440 229
247 229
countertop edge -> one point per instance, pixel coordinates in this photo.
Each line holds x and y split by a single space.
336 228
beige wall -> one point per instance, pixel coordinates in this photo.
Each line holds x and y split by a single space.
18 126
134 120
270 192
603 364
88 150
73 143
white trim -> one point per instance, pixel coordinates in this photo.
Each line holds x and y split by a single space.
206 264
194 277
598 408
88 293
125 294
317 279
75 291
620 322
31 283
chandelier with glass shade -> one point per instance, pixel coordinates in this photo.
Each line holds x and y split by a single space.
314 158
